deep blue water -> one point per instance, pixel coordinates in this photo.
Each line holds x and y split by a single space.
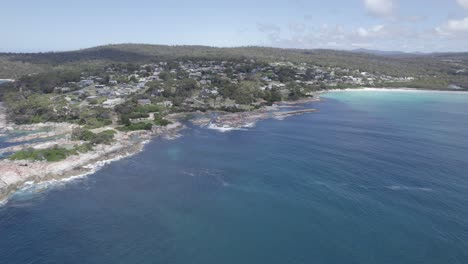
371 178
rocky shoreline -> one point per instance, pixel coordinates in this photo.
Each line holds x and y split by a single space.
234 121
15 174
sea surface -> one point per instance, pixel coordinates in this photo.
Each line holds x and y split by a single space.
374 177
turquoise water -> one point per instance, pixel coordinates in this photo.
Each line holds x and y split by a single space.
371 178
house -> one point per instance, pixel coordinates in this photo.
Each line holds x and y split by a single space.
62 89
84 83
79 92
109 103
133 76
91 98
166 104
144 101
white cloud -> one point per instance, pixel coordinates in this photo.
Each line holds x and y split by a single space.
362 32
386 36
382 8
371 32
453 27
458 25
463 3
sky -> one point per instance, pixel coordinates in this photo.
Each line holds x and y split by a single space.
392 25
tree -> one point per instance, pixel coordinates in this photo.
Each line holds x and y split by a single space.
275 95
165 76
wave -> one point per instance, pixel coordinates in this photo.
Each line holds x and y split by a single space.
408 188
224 128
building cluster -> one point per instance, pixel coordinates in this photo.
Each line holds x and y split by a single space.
121 83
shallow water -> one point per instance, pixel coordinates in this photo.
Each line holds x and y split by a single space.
374 177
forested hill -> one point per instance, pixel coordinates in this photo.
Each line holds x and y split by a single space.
444 65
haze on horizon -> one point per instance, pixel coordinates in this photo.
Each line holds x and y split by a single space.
391 25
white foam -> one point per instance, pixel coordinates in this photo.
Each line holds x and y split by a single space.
249 125
408 188
189 173
31 186
224 128
93 168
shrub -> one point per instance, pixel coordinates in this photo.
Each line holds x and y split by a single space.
160 121
104 137
136 126
53 154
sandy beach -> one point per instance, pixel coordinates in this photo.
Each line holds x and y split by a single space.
402 89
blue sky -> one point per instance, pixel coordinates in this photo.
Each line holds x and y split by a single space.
410 25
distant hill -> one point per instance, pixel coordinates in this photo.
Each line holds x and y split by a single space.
388 53
391 63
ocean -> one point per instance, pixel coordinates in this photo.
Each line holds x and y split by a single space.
374 177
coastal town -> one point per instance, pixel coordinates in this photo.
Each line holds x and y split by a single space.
158 80
86 119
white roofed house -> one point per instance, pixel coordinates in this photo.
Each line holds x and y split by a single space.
144 101
166 103
214 91
62 89
109 103
141 85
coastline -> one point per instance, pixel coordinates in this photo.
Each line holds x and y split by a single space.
388 89
225 122
18 174
15 175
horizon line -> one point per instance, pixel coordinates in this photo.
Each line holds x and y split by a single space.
357 50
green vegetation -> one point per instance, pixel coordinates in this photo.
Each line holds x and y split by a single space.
104 137
53 154
36 108
136 126
45 82
426 83
160 121
57 153
132 110
97 101
137 53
